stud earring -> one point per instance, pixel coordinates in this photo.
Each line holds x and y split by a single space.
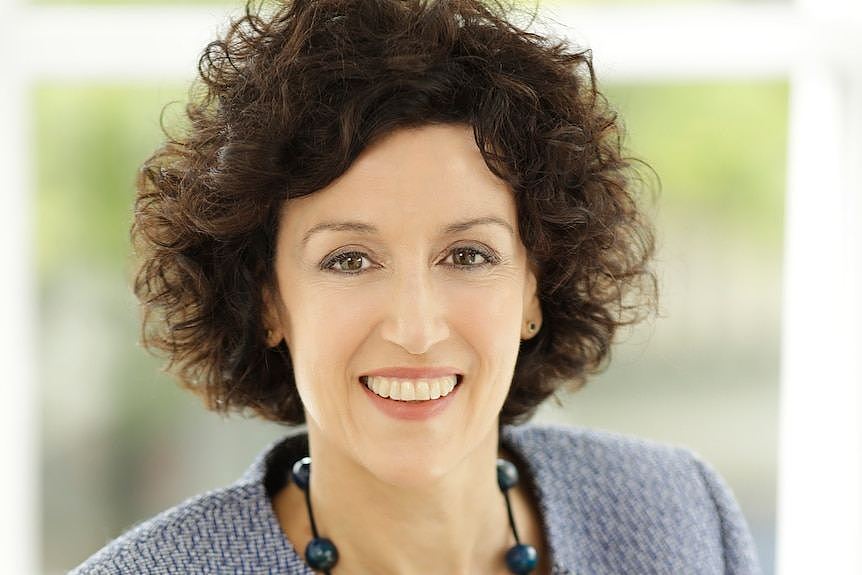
531 327
268 337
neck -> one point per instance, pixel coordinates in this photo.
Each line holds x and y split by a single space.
455 523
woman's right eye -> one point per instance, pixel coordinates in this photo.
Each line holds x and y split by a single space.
349 262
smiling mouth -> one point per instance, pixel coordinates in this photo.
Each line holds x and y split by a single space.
397 389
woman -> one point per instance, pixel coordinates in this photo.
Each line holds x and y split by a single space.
405 224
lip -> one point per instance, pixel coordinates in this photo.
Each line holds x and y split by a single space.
413 372
412 410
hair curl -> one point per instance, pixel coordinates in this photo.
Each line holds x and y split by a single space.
290 97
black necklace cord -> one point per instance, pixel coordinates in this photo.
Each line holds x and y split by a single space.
310 514
511 517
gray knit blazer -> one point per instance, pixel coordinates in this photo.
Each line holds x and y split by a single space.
611 504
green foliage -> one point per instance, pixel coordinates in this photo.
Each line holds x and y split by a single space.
718 148
90 141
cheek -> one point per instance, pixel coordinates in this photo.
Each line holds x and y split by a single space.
489 319
328 326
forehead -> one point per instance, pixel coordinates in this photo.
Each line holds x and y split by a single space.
428 174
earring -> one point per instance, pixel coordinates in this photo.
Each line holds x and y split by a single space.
531 327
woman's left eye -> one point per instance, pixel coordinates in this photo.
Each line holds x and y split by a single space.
465 257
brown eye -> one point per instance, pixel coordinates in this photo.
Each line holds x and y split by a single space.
352 263
470 258
348 262
464 257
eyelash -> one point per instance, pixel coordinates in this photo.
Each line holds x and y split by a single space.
490 260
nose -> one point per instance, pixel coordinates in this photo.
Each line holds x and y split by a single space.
416 313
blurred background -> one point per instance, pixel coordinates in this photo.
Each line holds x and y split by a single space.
118 442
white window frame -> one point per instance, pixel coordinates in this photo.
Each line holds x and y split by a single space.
815 44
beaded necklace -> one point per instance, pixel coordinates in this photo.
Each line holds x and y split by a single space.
322 555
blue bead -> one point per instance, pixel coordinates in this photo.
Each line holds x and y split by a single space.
521 559
321 554
507 474
300 472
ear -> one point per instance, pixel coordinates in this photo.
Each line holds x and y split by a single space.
532 306
272 316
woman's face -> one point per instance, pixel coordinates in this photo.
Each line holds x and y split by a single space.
385 284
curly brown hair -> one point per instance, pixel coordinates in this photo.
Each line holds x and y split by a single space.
291 95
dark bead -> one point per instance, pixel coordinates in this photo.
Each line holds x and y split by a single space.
507 474
300 472
521 559
321 554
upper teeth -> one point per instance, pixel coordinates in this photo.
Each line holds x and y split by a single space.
411 389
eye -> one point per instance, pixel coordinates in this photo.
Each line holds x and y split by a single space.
349 262
466 258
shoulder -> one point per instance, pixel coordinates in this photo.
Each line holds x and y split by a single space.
221 531
639 494
596 451
612 459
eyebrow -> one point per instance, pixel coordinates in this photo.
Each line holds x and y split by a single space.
365 228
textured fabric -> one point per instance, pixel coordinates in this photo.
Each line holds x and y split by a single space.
611 504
